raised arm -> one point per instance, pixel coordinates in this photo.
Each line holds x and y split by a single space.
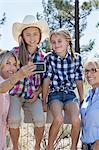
22 73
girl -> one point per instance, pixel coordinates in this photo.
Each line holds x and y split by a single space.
90 107
28 34
64 73
8 77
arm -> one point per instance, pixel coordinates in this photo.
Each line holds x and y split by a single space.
45 92
79 77
35 95
22 73
80 88
45 89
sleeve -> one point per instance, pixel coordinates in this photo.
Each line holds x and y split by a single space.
79 68
48 73
1 99
15 50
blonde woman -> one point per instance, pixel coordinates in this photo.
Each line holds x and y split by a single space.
63 75
90 107
8 77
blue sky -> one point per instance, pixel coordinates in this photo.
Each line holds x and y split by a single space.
17 9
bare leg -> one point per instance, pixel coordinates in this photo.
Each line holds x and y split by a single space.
56 110
38 132
72 111
14 134
96 145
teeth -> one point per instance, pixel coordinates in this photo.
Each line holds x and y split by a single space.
32 41
11 72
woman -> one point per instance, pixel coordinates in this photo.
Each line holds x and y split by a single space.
8 78
90 107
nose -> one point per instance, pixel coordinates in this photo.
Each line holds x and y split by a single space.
32 37
13 68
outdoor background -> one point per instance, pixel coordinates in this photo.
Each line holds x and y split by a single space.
17 9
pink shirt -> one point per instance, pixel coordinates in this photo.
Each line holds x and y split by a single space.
4 107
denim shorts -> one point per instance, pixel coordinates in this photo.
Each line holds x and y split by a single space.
62 97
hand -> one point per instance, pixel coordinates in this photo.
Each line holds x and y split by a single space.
34 98
44 106
27 70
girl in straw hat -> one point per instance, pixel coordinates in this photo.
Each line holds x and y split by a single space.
28 34
8 77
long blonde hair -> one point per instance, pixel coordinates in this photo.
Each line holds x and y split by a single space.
67 36
4 55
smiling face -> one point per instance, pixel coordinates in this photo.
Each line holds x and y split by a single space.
91 73
31 36
59 44
9 67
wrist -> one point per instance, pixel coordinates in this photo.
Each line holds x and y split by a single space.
44 101
81 102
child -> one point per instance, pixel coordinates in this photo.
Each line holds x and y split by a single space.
8 77
29 34
64 73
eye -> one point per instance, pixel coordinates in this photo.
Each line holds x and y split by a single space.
53 42
92 70
59 41
27 34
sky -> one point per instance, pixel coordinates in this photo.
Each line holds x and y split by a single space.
16 10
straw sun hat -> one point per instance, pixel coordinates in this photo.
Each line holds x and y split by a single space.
30 21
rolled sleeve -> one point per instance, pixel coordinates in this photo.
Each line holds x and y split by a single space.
79 68
48 73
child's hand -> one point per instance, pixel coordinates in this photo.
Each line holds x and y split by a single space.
44 106
34 97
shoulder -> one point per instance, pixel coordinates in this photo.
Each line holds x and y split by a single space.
49 55
15 50
1 79
78 56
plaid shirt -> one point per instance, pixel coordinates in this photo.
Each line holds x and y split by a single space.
24 88
63 73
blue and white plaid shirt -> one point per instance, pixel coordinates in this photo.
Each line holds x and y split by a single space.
63 73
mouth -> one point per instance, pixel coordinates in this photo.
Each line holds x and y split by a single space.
91 79
10 72
32 42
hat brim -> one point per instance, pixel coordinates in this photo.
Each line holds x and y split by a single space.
17 29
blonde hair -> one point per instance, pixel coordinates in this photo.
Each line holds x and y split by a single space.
4 55
92 60
67 36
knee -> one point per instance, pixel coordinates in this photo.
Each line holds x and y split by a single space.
59 120
40 122
14 122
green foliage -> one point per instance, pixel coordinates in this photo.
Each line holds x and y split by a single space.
61 13
88 47
3 19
